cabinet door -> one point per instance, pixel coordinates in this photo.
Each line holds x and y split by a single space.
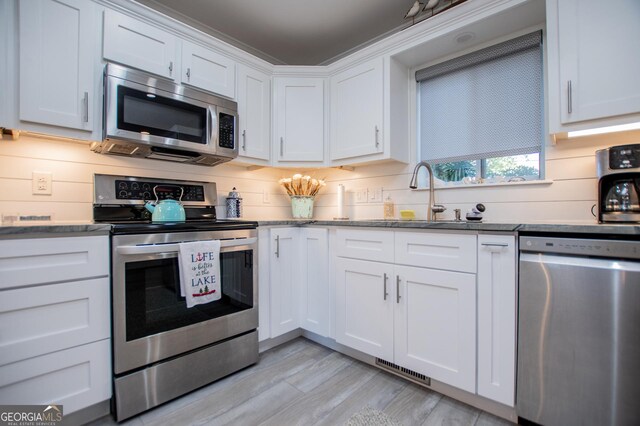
56 62
364 306
299 119
599 60
497 318
138 45
315 308
254 113
435 324
357 111
76 378
284 280
208 70
38 320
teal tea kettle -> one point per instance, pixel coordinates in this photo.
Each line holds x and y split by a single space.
167 210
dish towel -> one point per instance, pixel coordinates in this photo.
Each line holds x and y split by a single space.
199 263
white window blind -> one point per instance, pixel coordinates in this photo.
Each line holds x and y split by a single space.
486 104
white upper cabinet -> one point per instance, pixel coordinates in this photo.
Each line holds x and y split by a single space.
254 114
131 42
208 70
136 44
298 119
357 111
593 60
57 63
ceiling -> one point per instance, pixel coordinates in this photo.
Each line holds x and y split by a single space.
291 32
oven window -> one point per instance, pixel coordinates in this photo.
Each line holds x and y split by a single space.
154 304
142 112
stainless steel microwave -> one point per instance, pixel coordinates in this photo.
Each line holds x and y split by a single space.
148 116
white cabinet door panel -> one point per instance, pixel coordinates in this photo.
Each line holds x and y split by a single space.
497 318
315 307
602 66
365 244
299 119
56 62
48 260
208 70
254 113
454 252
131 42
435 324
76 378
364 307
356 111
285 280
38 320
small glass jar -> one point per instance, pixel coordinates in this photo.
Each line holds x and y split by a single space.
389 208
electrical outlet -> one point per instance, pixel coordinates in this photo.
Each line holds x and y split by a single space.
41 183
266 199
375 195
361 195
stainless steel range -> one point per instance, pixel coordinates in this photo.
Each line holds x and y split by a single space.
161 348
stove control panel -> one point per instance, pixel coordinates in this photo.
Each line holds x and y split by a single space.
143 190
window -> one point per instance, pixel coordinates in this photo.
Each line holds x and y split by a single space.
480 115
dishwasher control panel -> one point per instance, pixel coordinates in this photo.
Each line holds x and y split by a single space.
581 247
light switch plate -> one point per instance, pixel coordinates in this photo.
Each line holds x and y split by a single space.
375 195
360 195
41 183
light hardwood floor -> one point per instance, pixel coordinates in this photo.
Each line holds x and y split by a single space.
303 383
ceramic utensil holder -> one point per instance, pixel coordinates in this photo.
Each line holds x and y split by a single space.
302 206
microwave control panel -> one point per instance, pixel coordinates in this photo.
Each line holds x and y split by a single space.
143 190
226 132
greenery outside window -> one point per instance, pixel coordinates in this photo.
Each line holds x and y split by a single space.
480 116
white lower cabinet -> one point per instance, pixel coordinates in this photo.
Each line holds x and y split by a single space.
497 317
315 313
77 378
284 280
364 306
55 321
297 292
435 324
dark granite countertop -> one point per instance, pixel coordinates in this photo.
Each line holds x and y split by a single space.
568 228
32 231
18 231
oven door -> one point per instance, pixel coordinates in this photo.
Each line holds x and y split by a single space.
151 321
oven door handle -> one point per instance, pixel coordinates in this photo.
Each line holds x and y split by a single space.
174 248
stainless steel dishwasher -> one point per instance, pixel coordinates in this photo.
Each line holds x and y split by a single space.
579 331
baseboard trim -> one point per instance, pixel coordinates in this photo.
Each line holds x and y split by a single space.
87 414
267 344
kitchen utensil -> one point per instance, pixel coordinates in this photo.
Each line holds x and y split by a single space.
167 210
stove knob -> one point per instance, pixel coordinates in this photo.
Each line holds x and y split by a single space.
122 194
146 195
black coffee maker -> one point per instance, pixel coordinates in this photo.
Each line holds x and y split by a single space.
619 184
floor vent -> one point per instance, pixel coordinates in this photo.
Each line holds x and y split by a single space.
417 377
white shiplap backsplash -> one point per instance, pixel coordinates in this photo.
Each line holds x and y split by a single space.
570 166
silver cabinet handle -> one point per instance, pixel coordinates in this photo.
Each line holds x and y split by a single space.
170 67
569 98
377 140
85 100
278 246
384 291
244 140
495 244
281 146
397 288
188 74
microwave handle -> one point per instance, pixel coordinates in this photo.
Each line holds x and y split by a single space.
173 248
212 126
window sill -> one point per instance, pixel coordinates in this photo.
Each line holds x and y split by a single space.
487 185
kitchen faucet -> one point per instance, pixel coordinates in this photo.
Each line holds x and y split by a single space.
432 208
